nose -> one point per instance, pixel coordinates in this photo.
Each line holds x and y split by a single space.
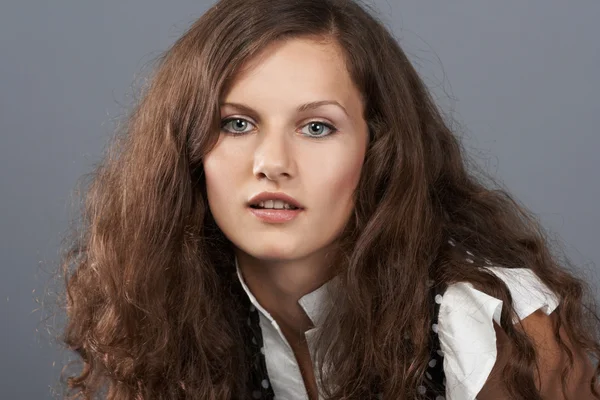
272 157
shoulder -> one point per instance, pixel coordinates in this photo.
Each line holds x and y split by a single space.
551 359
468 319
527 290
476 348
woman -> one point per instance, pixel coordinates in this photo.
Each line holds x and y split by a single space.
287 215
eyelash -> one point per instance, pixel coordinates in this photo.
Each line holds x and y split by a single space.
225 121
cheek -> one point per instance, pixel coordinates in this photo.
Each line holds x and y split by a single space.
339 183
219 181
210 166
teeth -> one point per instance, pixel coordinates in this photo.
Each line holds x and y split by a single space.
275 204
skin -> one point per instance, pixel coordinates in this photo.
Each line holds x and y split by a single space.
550 358
279 150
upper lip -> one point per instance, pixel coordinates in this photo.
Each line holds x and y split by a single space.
264 196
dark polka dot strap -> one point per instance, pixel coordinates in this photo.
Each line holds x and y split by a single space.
434 382
261 386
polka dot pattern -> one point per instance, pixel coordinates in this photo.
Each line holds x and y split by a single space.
259 379
434 381
433 386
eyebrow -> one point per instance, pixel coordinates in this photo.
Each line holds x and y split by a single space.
304 107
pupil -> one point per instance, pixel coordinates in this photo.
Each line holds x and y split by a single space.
315 124
238 122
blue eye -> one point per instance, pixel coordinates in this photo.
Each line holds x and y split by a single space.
241 124
237 123
321 124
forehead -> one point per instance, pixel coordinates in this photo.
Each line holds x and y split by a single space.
296 70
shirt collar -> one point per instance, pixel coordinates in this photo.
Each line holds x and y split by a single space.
313 303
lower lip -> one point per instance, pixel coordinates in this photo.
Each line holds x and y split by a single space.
275 215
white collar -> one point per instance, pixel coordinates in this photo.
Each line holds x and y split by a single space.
312 303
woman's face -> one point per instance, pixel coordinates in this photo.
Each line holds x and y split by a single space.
277 148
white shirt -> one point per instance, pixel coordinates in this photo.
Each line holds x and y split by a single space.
284 373
464 327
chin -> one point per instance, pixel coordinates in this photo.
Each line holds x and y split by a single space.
274 255
270 252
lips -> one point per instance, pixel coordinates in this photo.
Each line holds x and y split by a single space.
264 196
275 216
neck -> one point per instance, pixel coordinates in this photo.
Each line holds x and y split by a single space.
279 284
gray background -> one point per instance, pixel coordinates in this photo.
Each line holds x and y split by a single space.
520 79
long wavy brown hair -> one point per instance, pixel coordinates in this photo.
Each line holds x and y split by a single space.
151 296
